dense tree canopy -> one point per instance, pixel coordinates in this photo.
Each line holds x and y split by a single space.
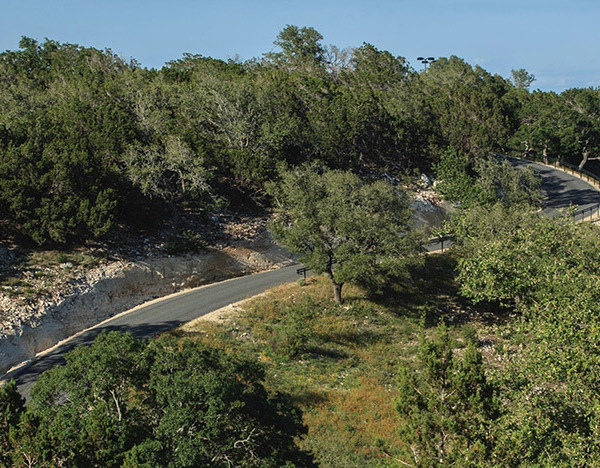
89 142
120 402
547 270
486 181
564 126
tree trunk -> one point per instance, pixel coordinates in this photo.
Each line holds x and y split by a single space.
337 292
546 153
586 155
337 287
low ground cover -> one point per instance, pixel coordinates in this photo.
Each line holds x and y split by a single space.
340 362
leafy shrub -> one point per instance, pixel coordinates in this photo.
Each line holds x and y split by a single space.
167 404
445 405
188 241
293 332
456 182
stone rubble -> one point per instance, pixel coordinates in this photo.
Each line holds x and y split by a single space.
76 298
63 300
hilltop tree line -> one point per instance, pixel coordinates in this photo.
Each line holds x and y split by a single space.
90 142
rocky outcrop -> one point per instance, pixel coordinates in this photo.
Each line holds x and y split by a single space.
109 289
429 209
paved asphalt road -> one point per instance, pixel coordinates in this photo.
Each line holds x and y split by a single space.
561 189
147 321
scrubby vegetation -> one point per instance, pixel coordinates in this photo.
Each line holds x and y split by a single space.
341 363
91 144
507 378
120 402
485 356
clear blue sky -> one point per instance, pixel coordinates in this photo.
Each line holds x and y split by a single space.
557 40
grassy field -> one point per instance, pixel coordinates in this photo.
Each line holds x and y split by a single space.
339 362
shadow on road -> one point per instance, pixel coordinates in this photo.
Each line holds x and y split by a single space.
29 373
562 190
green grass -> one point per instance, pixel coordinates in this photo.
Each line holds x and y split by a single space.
53 258
339 362
13 281
43 264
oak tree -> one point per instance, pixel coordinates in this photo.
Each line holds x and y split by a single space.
352 230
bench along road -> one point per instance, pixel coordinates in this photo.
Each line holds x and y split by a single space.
561 190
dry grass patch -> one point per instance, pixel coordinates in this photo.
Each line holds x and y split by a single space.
339 362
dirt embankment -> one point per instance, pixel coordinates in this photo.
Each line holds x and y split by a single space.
105 290
91 295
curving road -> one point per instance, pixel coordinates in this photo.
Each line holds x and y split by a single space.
561 190
158 316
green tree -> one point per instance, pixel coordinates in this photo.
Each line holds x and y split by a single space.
119 402
499 181
85 413
416 123
350 128
12 405
378 69
580 134
216 410
564 126
468 106
511 254
446 405
538 128
521 78
547 270
490 181
300 48
456 181
63 129
349 229
169 170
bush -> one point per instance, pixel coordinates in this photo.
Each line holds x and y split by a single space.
167 404
186 242
293 332
456 182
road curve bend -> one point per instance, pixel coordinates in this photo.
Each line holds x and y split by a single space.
157 316
561 191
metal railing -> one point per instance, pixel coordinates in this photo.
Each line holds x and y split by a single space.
587 213
578 215
302 271
437 244
557 163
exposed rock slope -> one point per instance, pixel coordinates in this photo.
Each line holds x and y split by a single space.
105 290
